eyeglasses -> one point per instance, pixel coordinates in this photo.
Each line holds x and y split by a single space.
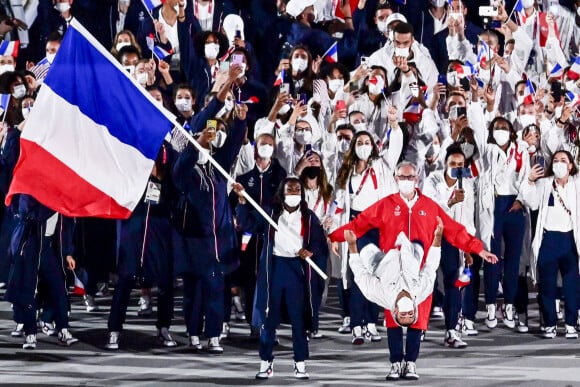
406 177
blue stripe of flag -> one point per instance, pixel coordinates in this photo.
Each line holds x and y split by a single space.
150 4
4 100
106 94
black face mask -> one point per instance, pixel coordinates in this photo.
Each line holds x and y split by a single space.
311 172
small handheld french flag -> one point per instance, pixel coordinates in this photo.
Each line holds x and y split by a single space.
529 93
574 71
464 278
556 71
9 48
331 55
280 78
245 240
483 54
150 4
573 98
161 53
252 99
79 287
464 71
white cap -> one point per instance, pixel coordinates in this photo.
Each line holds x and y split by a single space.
231 24
296 7
396 17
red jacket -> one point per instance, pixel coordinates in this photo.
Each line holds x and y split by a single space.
391 215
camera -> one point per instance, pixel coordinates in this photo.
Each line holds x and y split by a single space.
488 11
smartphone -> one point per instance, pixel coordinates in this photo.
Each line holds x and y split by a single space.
364 61
238 34
224 66
541 161
353 87
302 97
461 111
442 78
488 11
340 105
307 148
237 59
285 88
211 124
556 90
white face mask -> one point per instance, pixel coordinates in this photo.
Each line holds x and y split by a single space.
560 169
299 64
527 119
343 145
120 45
211 50
382 26
414 87
265 151
243 68
25 112
363 152
406 186
5 68
468 149
558 111
448 171
438 3
183 104
303 137
19 91
405 304
228 106
50 57
532 149
377 87
402 51
220 139
360 126
203 157
284 109
62 7
501 137
528 3
292 200
142 78
453 112
335 84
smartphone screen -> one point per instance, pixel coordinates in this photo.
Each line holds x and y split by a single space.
237 58
461 111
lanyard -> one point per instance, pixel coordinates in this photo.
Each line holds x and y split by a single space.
209 8
560 198
317 202
364 179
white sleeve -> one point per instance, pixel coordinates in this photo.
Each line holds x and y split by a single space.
428 273
530 194
460 50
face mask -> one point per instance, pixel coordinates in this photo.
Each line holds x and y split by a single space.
265 151
452 79
183 104
378 85
292 200
414 90
527 119
19 91
343 145
363 152
284 109
220 139
528 3
560 169
382 26
228 106
142 79
449 174
203 157
50 58
468 149
406 186
335 84
532 149
453 112
62 7
501 137
558 111
243 67
405 304
402 51
25 112
5 68
485 75
506 57
120 45
311 172
299 64
360 126
303 137
211 50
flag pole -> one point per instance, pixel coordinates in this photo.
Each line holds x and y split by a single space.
244 193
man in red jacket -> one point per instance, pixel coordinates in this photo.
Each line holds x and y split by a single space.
416 215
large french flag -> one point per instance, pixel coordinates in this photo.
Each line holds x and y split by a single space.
90 142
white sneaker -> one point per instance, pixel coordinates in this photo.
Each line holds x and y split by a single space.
522 323
410 371
18 331
508 316
468 328
357 336
46 328
345 327
238 308
437 313
300 370
571 332
372 333
195 343
453 339
165 338
550 332
65 337
145 308
213 346
225 334
29 342
266 370
559 311
90 303
113 341
317 335
395 371
491 320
